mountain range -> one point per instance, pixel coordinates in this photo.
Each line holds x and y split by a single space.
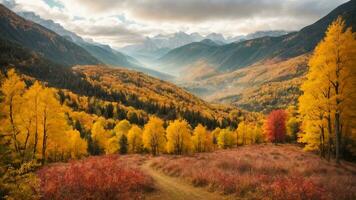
154 47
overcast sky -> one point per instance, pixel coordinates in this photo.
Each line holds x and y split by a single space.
122 22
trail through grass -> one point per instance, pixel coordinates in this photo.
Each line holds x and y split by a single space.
171 188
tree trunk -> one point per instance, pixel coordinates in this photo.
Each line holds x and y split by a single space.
44 141
337 137
25 145
329 138
14 131
36 132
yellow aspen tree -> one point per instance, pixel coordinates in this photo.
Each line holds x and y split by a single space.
200 138
225 139
78 146
112 145
208 145
12 89
122 127
179 137
329 91
100 136
32 97
154 135
53 122
242 132
134 138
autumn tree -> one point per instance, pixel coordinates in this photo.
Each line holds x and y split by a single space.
78 146
243 132
154 135
122 127
327 105
178 137
134 137
202 139
226 139
275 127
12 88
215 134
101 136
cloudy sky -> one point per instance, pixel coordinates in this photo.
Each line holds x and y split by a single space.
122 22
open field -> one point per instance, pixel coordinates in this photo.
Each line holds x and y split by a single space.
250 172
264 172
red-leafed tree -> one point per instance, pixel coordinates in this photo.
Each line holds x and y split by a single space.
275 127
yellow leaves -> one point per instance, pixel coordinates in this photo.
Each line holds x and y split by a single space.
330 86
225 139
78 146
153 135
134 138
100 135
202 139
112 145
38 122
12 88
178 137
122 128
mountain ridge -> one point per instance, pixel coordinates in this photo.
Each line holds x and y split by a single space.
42 40
234 56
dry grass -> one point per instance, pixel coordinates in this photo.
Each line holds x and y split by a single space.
264 172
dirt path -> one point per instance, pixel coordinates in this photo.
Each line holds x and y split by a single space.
171 188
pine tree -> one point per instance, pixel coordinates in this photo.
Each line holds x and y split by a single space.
123 144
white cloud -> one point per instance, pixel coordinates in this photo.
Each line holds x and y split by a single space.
120 22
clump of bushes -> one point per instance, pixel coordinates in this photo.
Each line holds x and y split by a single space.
107 177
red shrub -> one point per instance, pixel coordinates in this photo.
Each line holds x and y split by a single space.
294 188
276 126
93 178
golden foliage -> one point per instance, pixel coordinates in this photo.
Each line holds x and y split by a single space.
179 137
154 135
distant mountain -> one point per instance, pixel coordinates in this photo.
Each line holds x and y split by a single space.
51 25
153 48
188 54
257 34
217 37
234 56
41 40
102 52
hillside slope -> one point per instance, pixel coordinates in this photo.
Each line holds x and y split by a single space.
152 95
262 87
137 94
41 40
